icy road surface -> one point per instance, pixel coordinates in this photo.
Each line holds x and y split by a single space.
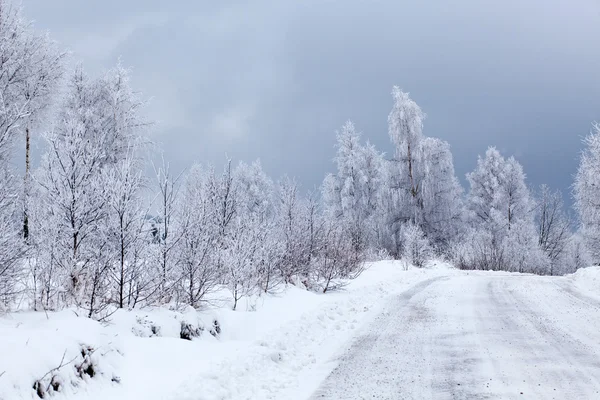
476 336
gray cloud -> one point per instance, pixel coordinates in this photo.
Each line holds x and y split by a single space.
275 79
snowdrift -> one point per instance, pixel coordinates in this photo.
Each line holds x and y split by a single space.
588 281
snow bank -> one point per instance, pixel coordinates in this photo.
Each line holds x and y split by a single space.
283 349
50 349
588 281
70 354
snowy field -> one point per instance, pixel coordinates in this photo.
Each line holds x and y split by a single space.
389 334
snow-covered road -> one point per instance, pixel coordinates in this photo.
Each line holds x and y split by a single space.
476 336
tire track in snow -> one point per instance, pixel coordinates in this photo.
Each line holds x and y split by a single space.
412 351
562 350
365 342
516 351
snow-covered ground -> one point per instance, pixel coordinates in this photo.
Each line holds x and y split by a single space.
281 346
390 334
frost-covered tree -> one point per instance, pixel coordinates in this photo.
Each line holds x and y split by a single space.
223 204
422 187
501 214
240 202
223 199
441 193
406 132
312 223
32 67
96 130
373 165
257 208
351 195
521 250
256 215
122 123
335 258
295 258
122 107
256 191
498 195
587 193
12 249
269 257
199 272
299 223
169 232
73 194
553 226
238 255
416 249
574 256
126 229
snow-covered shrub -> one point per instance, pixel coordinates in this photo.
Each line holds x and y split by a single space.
522 252
476 250
416 249
216 329
374 255
517 251
84 366
189 331
145 328
458 253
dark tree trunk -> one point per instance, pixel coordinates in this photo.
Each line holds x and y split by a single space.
26 186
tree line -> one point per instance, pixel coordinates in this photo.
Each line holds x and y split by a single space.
77 231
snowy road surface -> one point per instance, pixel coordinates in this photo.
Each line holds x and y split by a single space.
476 336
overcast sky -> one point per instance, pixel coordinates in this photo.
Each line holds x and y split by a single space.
274 80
